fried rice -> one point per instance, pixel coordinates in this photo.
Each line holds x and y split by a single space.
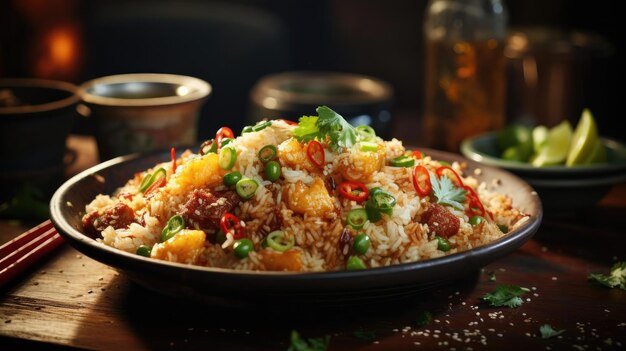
304 205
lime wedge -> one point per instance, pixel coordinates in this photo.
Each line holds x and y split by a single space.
556 146
598 154
513 135
540 136
584 140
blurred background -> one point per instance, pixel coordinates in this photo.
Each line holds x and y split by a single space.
233 44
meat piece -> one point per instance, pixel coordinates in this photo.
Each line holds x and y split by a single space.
119 216
441 221
205 209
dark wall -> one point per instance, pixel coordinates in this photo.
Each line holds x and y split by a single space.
378 38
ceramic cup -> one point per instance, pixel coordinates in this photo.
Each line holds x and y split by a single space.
36 117
137 113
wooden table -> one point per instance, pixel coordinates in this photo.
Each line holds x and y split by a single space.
72 300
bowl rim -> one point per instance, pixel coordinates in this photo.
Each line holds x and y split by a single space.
268 91
201 89
37 83
112 256
468 150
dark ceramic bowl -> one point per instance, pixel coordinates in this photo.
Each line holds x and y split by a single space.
36 117
218 285
563 190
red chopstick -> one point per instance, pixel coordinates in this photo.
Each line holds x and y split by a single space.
25 250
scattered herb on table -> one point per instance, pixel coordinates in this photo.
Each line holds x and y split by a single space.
506 295
329 124
312 344
617 277
365 335
492 276
424 318
447 193
548 332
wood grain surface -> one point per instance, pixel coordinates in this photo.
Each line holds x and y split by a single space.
72 301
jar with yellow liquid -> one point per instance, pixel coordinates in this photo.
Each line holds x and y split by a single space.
464 70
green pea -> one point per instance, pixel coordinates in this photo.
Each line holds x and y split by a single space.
476 220
442 244
355 263
361 244
247 129
272 171
243 247
144 250
232 178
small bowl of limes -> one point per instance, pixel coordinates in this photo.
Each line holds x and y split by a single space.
570 167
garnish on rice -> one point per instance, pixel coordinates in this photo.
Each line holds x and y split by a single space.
447 193
328 124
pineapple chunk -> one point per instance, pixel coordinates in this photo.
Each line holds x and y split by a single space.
198 172
281 261
313 200
184 247
359 165
292 154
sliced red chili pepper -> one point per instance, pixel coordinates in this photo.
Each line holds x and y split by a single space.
421 181
154 186
354 191
222 133
316 155
291 123
450 173
125 195
173 156
417 154
475 206
231 224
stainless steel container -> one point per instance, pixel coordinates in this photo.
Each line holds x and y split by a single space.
290 95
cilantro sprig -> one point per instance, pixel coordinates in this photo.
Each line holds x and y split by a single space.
312 344
547 331
506 295
617 277
447 193
328 124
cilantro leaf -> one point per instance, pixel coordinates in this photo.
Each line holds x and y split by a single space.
307 129
424 318
617 277
547 331
365 335
328 124
313 344
506 295
447 193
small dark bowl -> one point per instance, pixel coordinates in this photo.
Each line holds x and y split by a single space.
36 117
239 288
563 190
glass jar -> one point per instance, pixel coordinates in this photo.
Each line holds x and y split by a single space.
465 70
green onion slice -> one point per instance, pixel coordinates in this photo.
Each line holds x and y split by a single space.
366 132
403 161
442 244
368 146
208 147
267 153
151 178
262 125
246 188
227 158
357 218
173 226
278 241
